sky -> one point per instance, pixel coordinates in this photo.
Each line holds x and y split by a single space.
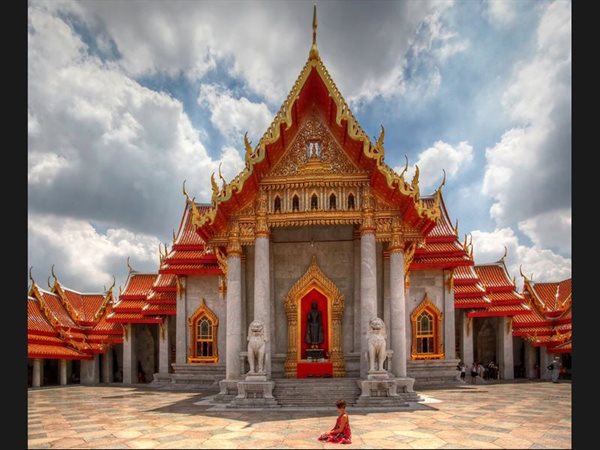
128 99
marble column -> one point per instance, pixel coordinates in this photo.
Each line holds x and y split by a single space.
164 344
233 340
545 359
529 360
181 327
107 365
507 370
356 285
37 372
129 356
62 372
397 312
466 341
90 370
368 294
262 294
449 330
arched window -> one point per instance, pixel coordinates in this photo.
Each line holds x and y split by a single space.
314 202
351 201
277 204
332 201
295 203
426 322
203 331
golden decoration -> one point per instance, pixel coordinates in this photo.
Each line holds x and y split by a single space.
202 311
427 306
469 325
233 245
409 255
314 52
450 280
161 326
283 120
509 323
249 150
397 243
261 229
314 278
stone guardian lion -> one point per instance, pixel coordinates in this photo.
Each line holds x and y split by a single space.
256 346
377 344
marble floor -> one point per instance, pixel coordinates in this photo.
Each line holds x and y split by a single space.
520 415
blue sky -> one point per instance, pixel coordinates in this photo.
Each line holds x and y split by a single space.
128 99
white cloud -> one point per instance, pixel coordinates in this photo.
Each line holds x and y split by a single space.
44 167
440 155
545 264
33 126
528 172
500 13
234 116
551 229
86 259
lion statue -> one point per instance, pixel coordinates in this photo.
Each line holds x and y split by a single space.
256 346
376 340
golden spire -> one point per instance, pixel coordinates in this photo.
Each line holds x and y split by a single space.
314 52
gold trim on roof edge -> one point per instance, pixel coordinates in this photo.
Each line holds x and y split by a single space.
284 117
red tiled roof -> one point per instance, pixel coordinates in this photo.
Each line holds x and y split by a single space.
191 269
165 282
494 277
499 310
443 228
471 302
132 318
468 290
163 297
505 297
138 285
129 305
153 310
86 305
40 351
52 301
36 321
186 235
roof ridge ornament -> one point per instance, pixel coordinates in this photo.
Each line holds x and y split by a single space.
131 269
314 51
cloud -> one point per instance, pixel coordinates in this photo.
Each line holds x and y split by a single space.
528 172
545 264
105 148
500 13
86 259
440 155
271 41
551 229
233 116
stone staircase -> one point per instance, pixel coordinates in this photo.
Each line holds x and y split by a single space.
315 391
191 376
434 373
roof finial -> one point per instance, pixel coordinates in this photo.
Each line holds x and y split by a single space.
505 254
52 271
129 266
31 276
314 52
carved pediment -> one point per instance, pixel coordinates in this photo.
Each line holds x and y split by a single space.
314 150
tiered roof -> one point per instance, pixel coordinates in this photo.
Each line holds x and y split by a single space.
132 300
469 292
66 324
500 290
442 249
549 324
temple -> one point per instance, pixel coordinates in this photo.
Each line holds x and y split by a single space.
315 216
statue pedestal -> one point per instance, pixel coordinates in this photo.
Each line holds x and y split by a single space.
253 393
257 376
378 375
384 391
315 354
228 391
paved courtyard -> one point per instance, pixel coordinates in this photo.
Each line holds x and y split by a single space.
521 415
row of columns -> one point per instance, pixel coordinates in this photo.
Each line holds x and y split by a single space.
89 370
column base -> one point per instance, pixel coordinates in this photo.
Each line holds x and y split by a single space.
227 393
254 394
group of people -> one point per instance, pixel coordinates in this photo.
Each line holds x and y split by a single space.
489 372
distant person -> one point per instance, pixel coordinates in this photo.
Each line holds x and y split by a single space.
473 372
341 433
555 368
463 371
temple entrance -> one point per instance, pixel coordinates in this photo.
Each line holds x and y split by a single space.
485 346
314 307
314 336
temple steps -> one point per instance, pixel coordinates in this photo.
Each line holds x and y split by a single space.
315 391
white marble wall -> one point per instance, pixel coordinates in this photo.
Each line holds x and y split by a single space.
530 360
181 332
164 345
449 325
107 365
129 356
505 349
421 282
206 287
466 344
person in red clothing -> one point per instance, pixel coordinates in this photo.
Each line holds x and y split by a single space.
341 433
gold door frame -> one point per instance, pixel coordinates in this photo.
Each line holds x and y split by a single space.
314 278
